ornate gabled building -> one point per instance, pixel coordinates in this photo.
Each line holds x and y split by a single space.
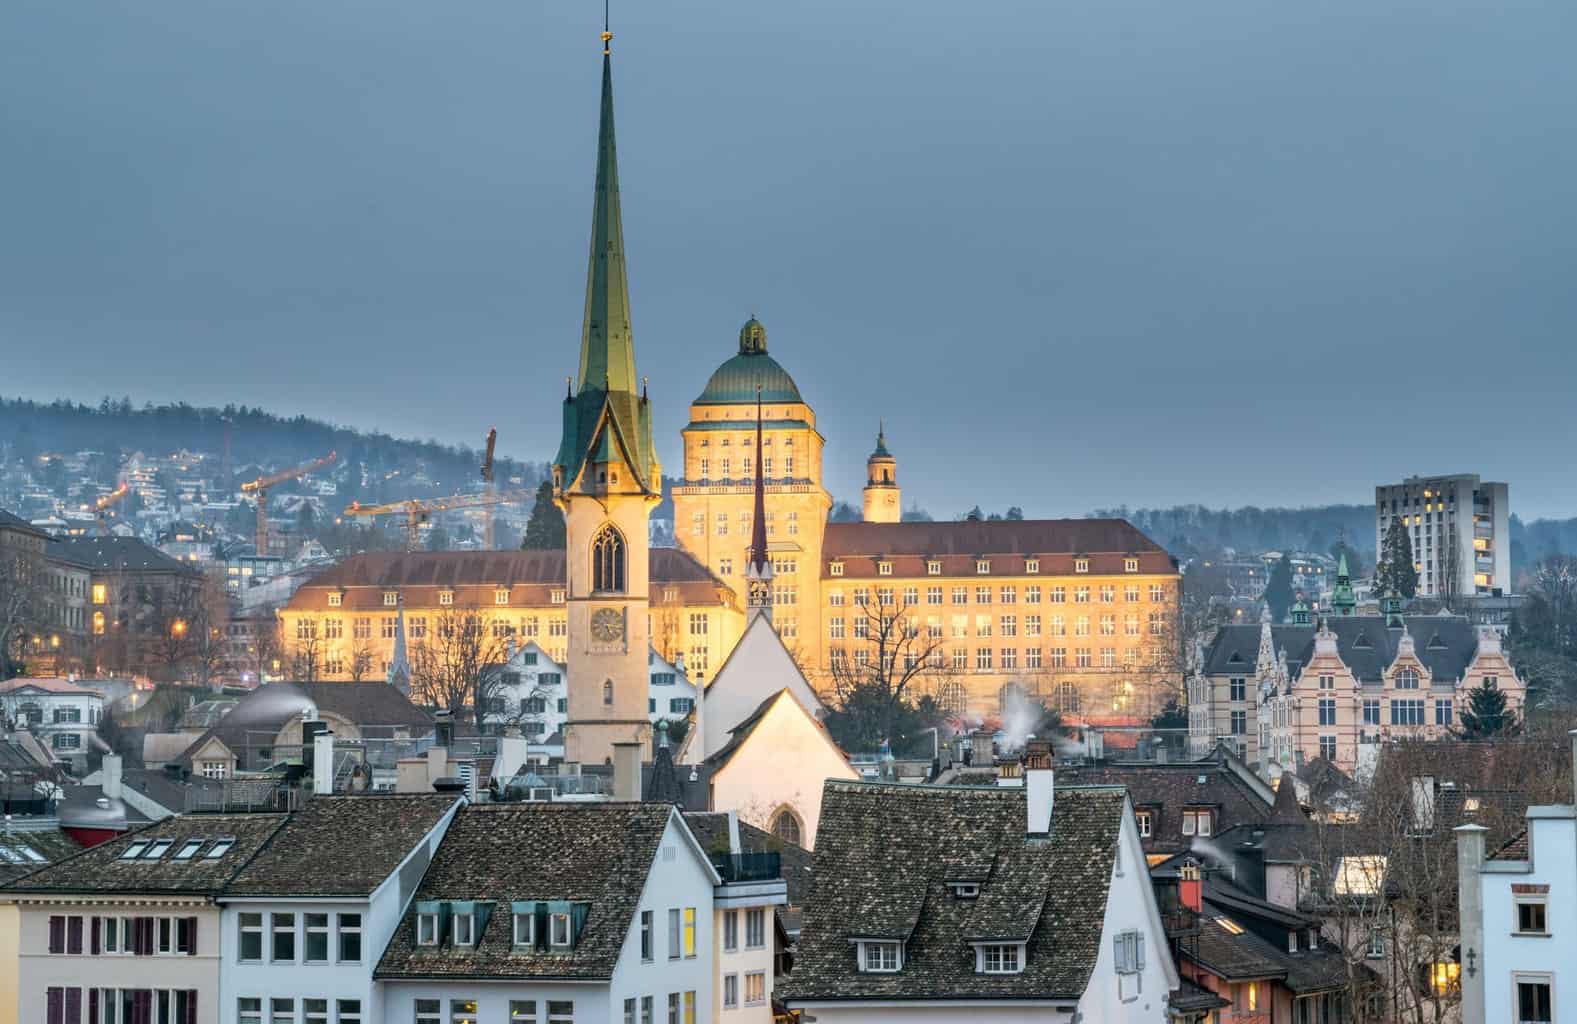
1284 695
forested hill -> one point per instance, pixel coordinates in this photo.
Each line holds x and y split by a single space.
257 439
1190 529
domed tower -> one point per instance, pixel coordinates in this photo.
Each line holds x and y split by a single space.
883 501
715 506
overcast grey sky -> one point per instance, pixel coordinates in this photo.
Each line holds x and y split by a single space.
1077 254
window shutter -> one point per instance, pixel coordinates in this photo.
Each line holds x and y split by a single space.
93 1006
57 934
55 1003
95 945
73 1005
1138 951
142 1002
191 940
191 993
74 934
1119 952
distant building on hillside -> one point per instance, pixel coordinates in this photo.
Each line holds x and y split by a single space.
1460 528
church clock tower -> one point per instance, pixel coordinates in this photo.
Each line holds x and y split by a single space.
606 479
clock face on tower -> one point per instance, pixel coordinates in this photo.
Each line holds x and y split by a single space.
607 625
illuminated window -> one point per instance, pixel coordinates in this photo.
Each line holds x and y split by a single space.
100 593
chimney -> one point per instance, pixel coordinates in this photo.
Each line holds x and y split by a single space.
443 729
323 763
981 751
627 771
1470 917
1190 887
310 727
1038 797
112 776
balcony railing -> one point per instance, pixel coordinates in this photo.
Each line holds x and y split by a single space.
1180 921
766 866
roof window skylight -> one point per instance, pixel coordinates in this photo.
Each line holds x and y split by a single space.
188 849
220 848
158 849
134 850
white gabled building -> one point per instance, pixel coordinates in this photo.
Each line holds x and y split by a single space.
305 920
936 903
62 714
532 693
1518 912
558 913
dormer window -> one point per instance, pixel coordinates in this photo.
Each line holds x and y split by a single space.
391 598
336 599
446 597
1081 565
880 956
133 851
1031 566
1130 565
464 931
559 931
500 597
1292 941
159 848
933 568
965 890
884 568
525 934
1197 823
219 849
983 566
999 958
835 568
427 929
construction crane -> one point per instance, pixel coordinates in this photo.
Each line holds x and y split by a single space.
261 485
418 510
105 502
490 527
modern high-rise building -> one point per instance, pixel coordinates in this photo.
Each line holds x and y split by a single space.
1460 530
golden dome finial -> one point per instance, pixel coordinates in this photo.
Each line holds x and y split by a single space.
607 36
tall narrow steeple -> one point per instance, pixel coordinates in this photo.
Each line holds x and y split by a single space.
758 575
605 418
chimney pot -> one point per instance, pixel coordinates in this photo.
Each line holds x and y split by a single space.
1039 796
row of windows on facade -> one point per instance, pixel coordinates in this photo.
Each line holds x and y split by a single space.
886 597
33 714
748 441
933 567
1402 712
990 659
1195 821
780 566
747 467
886 956
1004 625
64 1005
251 1010
1402 679
416 627
98 935
323 938
746 522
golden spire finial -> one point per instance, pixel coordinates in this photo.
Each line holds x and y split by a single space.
607 36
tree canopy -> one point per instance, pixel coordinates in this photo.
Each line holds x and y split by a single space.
1278 591
545 528
1396 573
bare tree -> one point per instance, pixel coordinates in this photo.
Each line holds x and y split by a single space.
1449 585
884 662
455 666
361 659
187 630
306 653
21 596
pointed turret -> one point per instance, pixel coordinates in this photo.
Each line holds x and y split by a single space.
606 420
1343 601
399 665
758 574
882 497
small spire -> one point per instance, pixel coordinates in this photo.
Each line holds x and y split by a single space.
758 526
607 37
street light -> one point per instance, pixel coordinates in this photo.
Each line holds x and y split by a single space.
178 628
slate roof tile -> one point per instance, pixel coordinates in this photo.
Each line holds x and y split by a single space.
881 865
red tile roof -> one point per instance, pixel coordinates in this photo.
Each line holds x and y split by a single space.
1107 543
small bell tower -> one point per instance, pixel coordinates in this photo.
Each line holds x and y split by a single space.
883 500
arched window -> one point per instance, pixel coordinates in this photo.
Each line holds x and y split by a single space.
1067 698
785 825
1407 679
607 691
1010 693
607 560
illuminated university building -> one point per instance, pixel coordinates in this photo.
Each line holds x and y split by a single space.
1079 612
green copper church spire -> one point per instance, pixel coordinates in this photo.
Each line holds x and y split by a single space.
607 350
605 420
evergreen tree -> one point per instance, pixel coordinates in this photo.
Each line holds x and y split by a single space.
1278 591
1486 714
1395 572
545 528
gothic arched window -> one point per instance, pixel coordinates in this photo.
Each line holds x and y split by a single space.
1067 698
785 825
607 560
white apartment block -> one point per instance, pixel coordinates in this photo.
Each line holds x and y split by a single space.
1458 525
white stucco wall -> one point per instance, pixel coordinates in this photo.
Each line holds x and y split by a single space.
758 667
1130 904
782 764
1553 842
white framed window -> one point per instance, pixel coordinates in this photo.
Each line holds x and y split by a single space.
1532 915
429 1011
1031 566
730 930
464 930
462 1011
983 566
1130 565
1128 947
755 988
730 991
558 931
501 597
880 956
446 597
336 599
427 929
884 568
933 567
250 948
999 958
1081 565
349 939
347 1011
282 938
525 932
391 598
755 928
1145 821
316 948
556 597
835 568
1533 998
247 1010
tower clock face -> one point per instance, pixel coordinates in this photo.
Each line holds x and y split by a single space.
607 625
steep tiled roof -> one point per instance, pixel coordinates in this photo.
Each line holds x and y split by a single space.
102 870
51 844
20 525
881 865
1517 849
1166 790
1238 953
593 853
122 554
1055 542
341 845
364 577
1444 643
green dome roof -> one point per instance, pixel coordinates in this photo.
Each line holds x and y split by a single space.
736 380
